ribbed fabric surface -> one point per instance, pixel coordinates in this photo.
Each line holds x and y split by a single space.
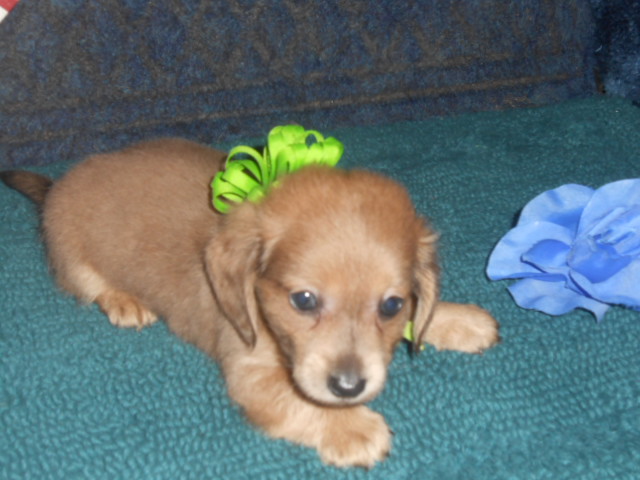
559 398
78 76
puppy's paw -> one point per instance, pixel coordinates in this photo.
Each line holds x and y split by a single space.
466 328
124 310
357 437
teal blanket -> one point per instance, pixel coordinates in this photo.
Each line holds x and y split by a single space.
559 398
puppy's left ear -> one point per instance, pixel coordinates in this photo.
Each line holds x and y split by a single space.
426 283
232 261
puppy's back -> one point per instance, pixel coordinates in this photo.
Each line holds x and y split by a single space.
140 217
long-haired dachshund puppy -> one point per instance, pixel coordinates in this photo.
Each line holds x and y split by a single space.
301 297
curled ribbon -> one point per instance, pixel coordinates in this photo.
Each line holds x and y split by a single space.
408 332
248 175
409 336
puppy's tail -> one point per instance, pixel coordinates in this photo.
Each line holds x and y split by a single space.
32 185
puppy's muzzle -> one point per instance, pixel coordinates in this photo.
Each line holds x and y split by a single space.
346 381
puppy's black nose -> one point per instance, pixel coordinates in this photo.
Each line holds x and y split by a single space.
346 384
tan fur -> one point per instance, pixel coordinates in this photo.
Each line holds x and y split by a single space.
466 328
134 232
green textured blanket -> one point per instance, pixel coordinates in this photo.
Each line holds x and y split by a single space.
558 398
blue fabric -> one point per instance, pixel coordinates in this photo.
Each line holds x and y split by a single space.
79 76
575 247
558 398
617 47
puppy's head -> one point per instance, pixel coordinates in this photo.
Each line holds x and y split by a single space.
332 265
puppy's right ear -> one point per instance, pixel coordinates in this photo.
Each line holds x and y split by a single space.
232 261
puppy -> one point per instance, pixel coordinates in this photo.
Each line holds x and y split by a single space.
301 297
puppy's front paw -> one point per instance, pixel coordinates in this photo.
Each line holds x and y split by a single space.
125 311
467 328
357 437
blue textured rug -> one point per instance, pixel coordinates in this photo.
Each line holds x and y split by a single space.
558 399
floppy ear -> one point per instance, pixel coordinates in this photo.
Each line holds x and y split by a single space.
232 261
426 283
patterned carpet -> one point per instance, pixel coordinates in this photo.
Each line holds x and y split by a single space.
558 399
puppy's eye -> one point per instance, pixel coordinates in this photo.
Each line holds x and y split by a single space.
391 306
304 301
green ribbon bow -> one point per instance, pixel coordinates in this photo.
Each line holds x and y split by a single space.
408 334
289 148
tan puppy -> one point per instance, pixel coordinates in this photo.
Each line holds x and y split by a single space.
301 298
